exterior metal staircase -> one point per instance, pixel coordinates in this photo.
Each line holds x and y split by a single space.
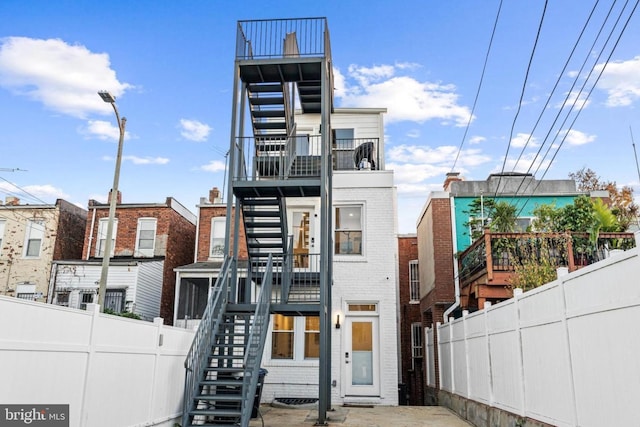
277 63
223 365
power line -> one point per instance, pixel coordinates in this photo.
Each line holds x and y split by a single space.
524 85
475 101
592 88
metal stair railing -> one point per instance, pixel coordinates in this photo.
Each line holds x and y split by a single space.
255 344
195 362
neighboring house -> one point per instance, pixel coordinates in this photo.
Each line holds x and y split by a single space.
150 240
194 281
31 237
444 232
411 332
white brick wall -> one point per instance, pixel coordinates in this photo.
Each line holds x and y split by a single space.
368 278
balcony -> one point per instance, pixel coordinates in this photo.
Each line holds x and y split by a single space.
488 265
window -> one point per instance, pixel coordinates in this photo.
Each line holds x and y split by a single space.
312 337
86 298
62 298
218 230
114 300
146 238
35 234
295 338
416 343
343 149
102 237
348 234
2 224
282 337
192 301
414 282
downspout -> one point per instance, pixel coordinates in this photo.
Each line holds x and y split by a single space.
456 279
93 221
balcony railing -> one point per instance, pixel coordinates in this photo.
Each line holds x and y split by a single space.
496 252
300 156
295 276
263 39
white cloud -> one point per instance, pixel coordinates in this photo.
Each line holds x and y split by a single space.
527 163
524 139
63 77
214 166
102 129
33 194
194 130
572 74
146 160
621 81
405 98
575 137
413 133
477 139
576 100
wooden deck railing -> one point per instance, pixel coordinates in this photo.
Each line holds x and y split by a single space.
503 251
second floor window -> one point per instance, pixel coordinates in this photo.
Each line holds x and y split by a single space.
218 225
35 235
414 281
102 237
348 235
146 238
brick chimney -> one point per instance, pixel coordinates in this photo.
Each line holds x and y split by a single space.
214 195
12 201
451 177
118 197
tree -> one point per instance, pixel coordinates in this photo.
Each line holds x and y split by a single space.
621 199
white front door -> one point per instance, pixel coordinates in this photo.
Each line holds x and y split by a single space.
361 359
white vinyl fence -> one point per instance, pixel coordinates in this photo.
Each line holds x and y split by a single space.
110 370
567 353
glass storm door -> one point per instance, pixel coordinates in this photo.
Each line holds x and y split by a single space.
361 356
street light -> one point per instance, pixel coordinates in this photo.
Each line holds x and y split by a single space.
106 256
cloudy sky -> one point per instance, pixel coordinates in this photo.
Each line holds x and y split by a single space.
475 87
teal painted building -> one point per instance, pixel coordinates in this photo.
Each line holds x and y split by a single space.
521 190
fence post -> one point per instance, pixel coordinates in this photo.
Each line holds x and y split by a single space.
94 309
487 306
438 382
465 313
565 326
517 293
158 322
452 356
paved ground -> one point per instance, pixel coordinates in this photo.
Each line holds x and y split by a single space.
378 416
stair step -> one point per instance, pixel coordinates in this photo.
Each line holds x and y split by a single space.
264 87
216 412
267 100
269 125
267 235
262 224
268 113
221 397
261 214
223 383
261 202
265 245
226 356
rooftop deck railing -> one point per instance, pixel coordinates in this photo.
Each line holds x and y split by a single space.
263 39
503 251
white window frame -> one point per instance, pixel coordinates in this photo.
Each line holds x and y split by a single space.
142 226
101 237
299 334
35 231
416 343
414 282
2 229
337 230
217 240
